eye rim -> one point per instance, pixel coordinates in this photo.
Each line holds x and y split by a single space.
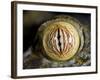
68 19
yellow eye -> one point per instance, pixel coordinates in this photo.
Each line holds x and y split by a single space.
60 38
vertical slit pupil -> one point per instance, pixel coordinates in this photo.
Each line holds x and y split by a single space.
58 36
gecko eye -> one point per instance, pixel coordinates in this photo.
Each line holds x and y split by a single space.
60 39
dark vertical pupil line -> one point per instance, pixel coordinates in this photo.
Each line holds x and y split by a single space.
58 36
